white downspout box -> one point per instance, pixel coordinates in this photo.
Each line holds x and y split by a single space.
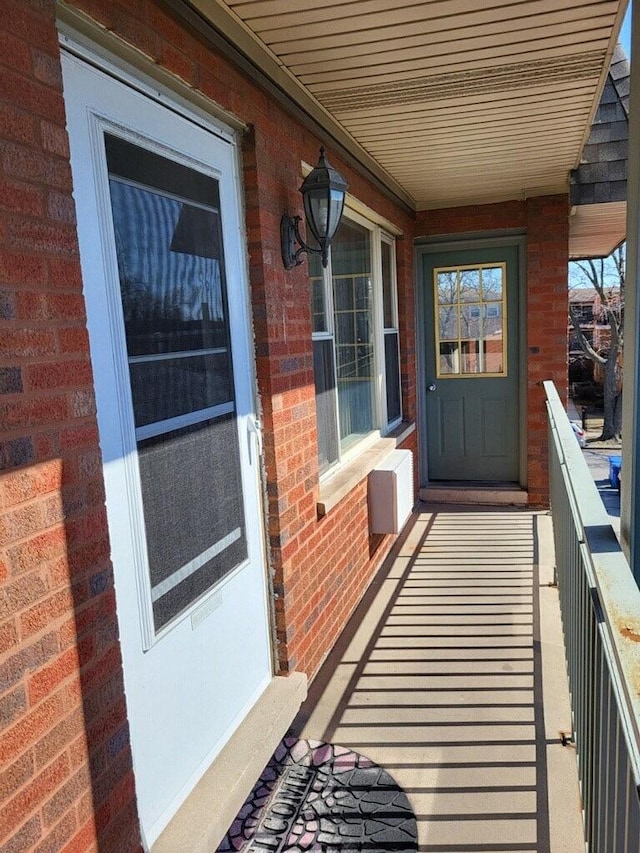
391 492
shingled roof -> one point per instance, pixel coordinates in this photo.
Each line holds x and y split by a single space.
598 188
602 174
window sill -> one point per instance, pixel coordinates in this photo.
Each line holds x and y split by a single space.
338 485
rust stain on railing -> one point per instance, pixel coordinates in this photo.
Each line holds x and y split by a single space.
630 634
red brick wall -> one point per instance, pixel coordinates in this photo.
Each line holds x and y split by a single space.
546 221
65 778
60 669
547 311
321 567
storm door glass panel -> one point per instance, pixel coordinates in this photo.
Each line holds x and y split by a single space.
166 220
354 330
470 321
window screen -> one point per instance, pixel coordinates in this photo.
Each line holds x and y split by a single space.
167 227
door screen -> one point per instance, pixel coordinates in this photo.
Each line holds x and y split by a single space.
166 220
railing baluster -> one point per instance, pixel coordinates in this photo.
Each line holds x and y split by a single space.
600 608
632 841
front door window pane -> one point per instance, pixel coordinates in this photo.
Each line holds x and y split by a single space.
353 306
168 237
470 321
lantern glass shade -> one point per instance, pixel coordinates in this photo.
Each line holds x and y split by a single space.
323 211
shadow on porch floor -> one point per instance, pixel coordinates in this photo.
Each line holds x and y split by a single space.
451 676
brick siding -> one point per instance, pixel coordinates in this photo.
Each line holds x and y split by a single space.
321 567
65 763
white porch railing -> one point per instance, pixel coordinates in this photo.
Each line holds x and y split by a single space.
600 606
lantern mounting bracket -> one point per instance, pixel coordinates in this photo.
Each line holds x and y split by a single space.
289 237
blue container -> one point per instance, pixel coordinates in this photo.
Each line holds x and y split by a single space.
615 463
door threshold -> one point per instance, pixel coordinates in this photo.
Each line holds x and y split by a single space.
487 494
202 820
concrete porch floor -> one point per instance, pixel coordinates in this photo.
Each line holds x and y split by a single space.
451 676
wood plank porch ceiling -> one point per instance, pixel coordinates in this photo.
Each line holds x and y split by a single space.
457 103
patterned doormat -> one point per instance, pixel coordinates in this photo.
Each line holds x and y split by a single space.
319 798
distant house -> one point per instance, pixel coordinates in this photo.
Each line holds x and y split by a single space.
586 306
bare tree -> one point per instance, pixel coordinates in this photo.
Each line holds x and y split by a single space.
606 276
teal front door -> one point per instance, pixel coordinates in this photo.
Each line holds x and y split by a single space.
471 364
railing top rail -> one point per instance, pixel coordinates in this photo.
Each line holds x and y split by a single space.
616 587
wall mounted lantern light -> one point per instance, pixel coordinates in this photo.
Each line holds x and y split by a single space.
323 192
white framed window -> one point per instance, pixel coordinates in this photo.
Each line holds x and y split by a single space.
355 338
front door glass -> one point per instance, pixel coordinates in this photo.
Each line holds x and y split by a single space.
471 320
166 220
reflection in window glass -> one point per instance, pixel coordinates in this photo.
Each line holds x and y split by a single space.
355 344
388 295
470 336
447 283
391 335
326 403
469 285
492 283
171 297
318 295
353 310
171 289
448 325
449 362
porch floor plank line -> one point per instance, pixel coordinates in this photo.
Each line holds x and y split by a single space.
441 677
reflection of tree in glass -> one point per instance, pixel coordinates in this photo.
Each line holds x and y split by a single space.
492 283
143 309
469 313
470 285
168 317
448 319
447 287
169 261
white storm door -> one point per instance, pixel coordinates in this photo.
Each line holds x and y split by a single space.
165 286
